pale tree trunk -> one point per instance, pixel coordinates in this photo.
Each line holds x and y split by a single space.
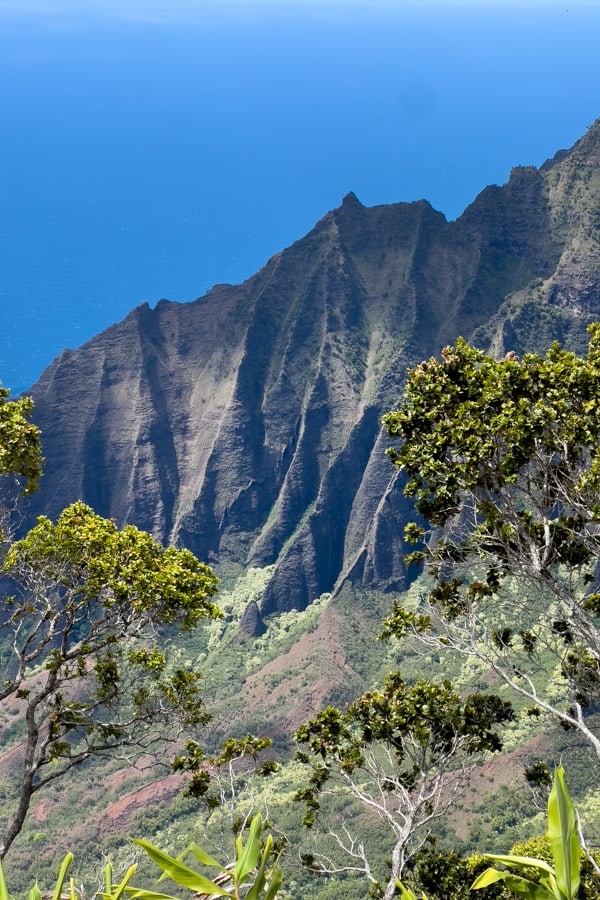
398 861
27 787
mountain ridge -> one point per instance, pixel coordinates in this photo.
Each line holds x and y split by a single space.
245 424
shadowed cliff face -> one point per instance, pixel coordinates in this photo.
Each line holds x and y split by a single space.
245 425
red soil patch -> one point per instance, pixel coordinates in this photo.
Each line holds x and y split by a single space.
313 666
118 815
39 813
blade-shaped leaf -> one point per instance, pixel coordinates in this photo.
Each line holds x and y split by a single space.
274 885
564 840
522 887
3 888
203 857
248 858
108 876
181 874
257 886
405 893
529 890
117 892
520 862
34 893
142 894
260 880
62 874
490 876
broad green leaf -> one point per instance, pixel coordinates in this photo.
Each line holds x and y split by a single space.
564 840
108 876
406 893
259 881
529 890
141 894
274 885
203 857
200 855
490 876
521 862
257 886
239 847
249 856
117 892
34 893
181 874
522 887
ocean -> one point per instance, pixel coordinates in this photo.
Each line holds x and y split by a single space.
149 156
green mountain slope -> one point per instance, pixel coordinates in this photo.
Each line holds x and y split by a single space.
246 426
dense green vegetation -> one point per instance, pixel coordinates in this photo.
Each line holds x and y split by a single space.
503 463
504 456
84 667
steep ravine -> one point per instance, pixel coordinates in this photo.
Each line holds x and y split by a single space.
245 425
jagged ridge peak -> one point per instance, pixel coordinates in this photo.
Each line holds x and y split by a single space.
351 200
246 424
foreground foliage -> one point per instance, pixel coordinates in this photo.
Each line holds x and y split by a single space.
545 882
533 877
35 893
254 875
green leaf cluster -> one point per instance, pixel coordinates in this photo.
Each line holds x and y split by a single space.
20 446
86 558
502 459
558 882
254 875
471 423
239 756
35 894
420 724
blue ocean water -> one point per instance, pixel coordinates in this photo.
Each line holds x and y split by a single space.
149 156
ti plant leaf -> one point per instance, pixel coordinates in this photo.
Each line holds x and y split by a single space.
255 874
406 893
62 874
247 857
34 892
564 839
179 873
558 882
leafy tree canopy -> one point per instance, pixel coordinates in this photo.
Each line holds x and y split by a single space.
404 752
20 448
502 458
84 629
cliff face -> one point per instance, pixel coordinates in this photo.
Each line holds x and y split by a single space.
246 425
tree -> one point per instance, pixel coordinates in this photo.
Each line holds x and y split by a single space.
224 782
503 462
84 630
20 448
404 752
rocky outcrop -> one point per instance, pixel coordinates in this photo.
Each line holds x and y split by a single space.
252 623
246 425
